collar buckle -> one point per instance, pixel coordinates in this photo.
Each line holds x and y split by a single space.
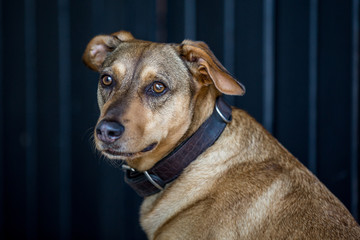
149 177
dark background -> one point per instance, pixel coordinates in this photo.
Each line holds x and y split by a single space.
298 59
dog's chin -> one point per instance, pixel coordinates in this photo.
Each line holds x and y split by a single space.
116 154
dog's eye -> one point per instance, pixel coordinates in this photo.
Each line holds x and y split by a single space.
158 87
106 80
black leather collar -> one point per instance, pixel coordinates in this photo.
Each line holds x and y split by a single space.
170 167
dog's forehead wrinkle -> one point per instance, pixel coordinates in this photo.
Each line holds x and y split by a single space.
142 58
125 68
167 65
127 51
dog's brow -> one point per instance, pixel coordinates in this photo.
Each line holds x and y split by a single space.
148 72
119 69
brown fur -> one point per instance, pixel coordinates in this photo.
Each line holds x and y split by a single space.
245 186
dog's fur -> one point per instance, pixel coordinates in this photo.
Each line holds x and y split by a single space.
245 186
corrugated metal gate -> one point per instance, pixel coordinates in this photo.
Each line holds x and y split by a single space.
298 59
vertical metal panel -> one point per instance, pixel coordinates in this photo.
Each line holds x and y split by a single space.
161 28
175 21
65 115
14 150
249 55
47 106
210 25
355 111
98 11
31 120
291 85
313 82
138 17
229 39
114 220
268 63
229 32
334 97
190 19
1 127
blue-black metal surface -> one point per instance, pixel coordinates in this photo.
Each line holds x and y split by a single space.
1 130
65 87
354 166
269 11
299 61
313 83
31 120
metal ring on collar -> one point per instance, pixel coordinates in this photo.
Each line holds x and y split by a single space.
221 115
126 167
147 175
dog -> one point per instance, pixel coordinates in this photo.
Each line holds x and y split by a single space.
206 170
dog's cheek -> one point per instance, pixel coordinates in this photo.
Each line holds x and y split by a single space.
164 118
178 117
156 127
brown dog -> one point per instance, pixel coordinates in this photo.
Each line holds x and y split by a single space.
203 175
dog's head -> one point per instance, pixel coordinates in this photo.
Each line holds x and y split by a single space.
152 95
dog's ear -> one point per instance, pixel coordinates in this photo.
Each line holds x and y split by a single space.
99 47
124 36
97 50
202 61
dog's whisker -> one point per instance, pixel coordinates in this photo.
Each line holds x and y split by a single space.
88 133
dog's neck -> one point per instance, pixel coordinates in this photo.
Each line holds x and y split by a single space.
203 104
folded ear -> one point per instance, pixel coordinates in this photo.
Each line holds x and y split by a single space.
124 36
202 61
99 47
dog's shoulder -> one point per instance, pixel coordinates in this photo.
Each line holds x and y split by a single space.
265 184
247 185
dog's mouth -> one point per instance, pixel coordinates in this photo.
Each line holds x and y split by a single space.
127 154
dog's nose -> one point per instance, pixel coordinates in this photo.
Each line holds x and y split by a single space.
109 131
